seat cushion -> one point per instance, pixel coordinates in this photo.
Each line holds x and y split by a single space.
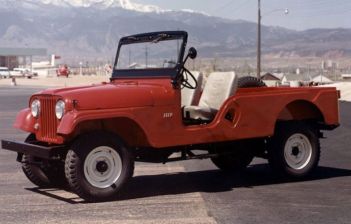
199 113
192 96
219 87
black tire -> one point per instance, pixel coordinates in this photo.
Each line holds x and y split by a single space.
250 82
233 156
303 144
80 153
41 172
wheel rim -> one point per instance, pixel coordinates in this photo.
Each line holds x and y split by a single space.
298 151
102 167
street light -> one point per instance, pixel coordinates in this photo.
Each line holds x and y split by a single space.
259 41
259 17
80 68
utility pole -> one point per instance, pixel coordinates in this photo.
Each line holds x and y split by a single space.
259 40
146 57
129 57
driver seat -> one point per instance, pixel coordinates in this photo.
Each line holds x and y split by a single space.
219 87
192 96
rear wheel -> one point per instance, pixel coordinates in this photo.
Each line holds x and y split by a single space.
98 166
294 151
41 172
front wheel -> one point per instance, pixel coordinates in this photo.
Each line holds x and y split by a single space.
41 172
294 151
97 166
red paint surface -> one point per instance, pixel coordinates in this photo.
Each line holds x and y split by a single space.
145 101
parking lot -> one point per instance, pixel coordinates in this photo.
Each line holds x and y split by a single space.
185 192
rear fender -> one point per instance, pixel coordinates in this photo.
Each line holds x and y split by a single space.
299 110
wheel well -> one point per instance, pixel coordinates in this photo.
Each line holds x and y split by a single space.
301 110
125 128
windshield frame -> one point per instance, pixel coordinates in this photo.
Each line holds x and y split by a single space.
151 72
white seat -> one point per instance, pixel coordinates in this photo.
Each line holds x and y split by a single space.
191 96
219 87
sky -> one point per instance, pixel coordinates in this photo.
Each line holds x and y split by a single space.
303 14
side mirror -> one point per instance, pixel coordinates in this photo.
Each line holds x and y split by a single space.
192 53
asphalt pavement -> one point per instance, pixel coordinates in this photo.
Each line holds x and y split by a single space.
185 192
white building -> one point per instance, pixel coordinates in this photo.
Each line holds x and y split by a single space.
346 76
321 79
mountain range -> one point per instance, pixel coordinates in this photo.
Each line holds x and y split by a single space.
92 28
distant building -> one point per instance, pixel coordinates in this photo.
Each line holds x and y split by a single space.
329 65
45 68
346 76
295 80
321 79
294 77
269 76
272 79
14 57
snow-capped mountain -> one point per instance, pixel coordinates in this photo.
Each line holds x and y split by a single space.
100 4
92 28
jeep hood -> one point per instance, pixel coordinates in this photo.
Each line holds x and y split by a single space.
111 95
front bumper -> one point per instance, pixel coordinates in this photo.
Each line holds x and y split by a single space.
35 149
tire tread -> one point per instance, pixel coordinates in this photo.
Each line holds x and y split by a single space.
275 154
250 82
74 162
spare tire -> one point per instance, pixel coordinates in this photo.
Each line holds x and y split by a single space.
249 82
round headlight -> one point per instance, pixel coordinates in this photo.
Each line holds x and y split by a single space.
35 108
60 109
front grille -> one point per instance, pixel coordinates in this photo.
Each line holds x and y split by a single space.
47 119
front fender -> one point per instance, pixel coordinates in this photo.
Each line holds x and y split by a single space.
25 121
70 121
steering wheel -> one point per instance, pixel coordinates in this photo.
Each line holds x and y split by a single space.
185 79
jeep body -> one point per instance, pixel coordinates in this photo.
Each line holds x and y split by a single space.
141 108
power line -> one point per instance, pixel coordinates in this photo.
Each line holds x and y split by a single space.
321 7
226 6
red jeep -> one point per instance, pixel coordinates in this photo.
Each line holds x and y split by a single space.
63 70
154 110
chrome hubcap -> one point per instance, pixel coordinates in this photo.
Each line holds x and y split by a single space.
102 167
298 151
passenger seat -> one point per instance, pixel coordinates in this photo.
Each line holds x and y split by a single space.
192 96
219 87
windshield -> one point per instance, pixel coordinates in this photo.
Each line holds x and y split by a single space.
157 54
154 54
